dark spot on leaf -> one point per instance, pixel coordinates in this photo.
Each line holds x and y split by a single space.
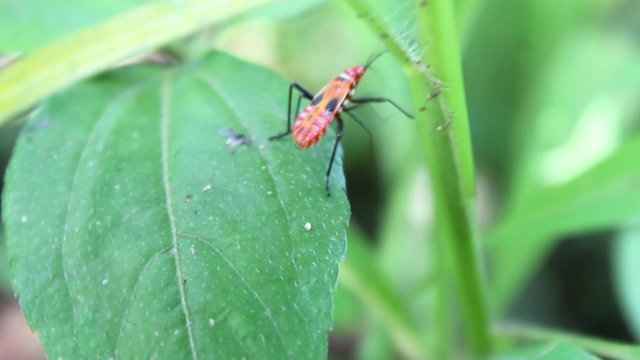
234 138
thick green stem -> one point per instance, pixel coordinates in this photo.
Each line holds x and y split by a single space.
435 78
444 130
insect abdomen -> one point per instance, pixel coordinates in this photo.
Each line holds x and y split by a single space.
310 126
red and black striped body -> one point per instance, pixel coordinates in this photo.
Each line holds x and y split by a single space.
313 121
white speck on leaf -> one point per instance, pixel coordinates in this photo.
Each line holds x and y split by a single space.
206 188
212 321
307 226
105 281
24 218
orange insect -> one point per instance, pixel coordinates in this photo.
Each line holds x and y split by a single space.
314 120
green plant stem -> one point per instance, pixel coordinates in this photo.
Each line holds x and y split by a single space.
89 51
601 347
359 274
444 130
438 94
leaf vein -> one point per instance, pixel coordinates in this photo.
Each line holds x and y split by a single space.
165 98
213 85
133 293
107 114
267 309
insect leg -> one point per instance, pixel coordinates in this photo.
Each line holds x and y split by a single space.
333 154
303 93
379 100
361 123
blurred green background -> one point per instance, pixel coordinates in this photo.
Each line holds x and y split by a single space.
552 89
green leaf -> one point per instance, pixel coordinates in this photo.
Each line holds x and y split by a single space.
365 279
134 231
563 344
605 195
626 256
94 49
4 265
53 18
547 352
575 167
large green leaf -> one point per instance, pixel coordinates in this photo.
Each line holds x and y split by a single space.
134 231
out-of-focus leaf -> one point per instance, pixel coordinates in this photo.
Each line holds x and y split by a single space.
547 352
626 260
566 345
606 195
361 275
91 50
571 175
4 265
135 231
26 25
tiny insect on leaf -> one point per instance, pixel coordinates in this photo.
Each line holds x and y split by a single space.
313 121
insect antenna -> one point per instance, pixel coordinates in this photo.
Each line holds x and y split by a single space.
374 58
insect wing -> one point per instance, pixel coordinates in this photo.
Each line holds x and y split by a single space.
315 118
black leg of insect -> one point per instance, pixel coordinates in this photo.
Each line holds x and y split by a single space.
361 123
312 122
333 153
380 100
304 93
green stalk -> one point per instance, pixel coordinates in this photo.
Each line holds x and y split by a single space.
368 283
447 145
91 50
442 122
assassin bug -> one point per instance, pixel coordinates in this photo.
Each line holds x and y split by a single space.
313 121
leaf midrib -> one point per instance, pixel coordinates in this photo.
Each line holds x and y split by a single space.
212 85
165 100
